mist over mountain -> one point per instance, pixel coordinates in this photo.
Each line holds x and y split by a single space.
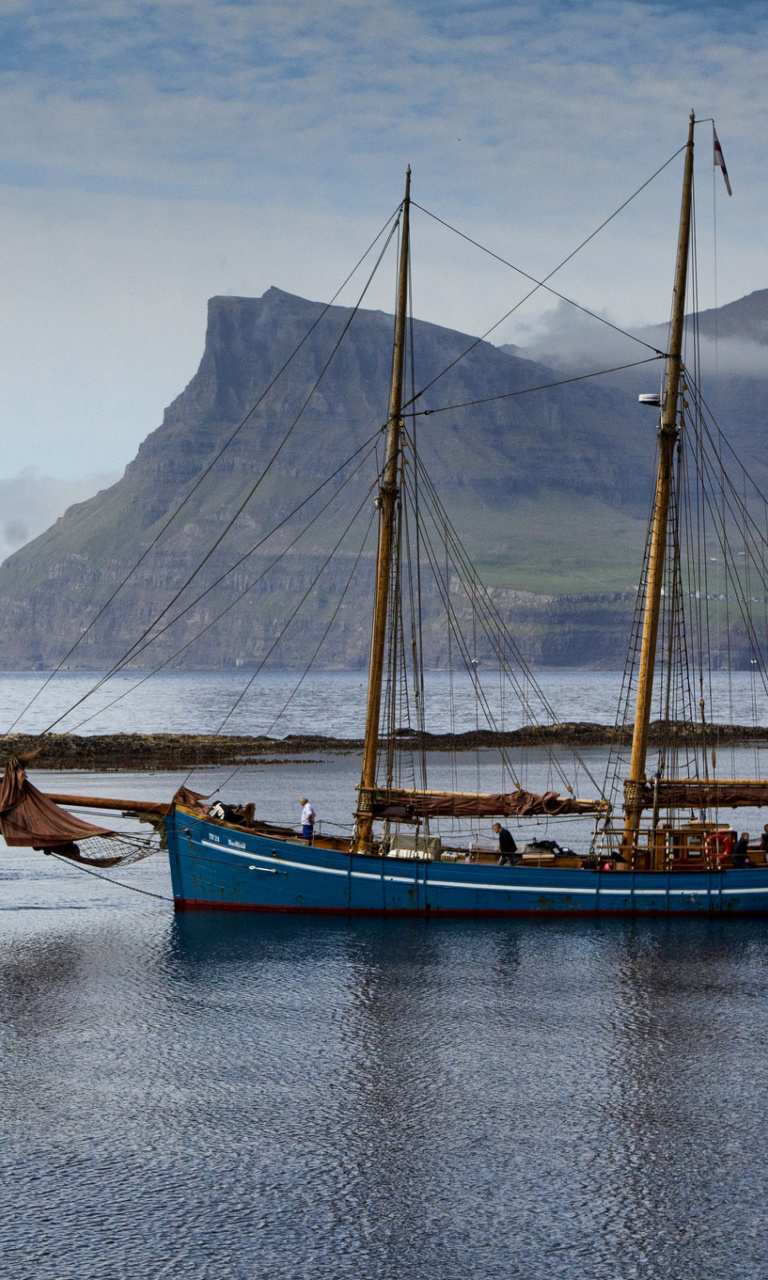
549 488
732 341
725 347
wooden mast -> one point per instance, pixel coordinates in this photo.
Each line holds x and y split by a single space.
668 432
388 497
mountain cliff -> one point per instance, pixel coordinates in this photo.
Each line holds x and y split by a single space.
549 491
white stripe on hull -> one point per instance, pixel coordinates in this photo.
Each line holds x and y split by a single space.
438 883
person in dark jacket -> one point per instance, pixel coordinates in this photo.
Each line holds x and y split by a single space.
507 846
741 851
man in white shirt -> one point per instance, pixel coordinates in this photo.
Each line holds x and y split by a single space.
307 820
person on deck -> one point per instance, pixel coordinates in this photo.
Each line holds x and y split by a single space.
507 846
307 820
764 840
741 851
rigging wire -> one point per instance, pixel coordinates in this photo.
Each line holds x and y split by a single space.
120 883
717 513
722 442
493 627
545 386
137 643
222 450
691 507
272 459
493 622
468 656
714 501
542 284
291 617
413 570
694 333
318 647
742 595
464 650
325 634
134 654
714 258
219 616
476 586
718 502
618 749
719 505
754 536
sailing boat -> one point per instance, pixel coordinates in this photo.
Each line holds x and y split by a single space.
678 864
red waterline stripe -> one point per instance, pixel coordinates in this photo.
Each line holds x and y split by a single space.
194 904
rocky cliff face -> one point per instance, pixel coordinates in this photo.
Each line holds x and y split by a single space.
566 469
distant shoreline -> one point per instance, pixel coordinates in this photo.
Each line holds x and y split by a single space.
166 751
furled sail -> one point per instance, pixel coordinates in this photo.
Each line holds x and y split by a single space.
28 817
721 793
409 805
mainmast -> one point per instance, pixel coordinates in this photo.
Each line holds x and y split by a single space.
668 432
388 497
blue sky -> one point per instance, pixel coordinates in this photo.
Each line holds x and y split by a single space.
155 154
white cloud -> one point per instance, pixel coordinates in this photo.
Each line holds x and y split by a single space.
154 155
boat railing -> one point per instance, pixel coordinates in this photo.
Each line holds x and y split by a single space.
669 846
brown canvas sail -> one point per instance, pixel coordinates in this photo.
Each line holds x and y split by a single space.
450 804
720 793
28 817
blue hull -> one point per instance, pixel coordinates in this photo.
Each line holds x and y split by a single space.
216 867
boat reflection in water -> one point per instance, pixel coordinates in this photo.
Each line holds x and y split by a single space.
537 1087
390 1097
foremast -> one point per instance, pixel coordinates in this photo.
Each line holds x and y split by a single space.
389 494
668 433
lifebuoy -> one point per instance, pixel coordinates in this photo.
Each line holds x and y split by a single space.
718 845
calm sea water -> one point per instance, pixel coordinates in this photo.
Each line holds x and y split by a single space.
330 702
208 1096
211 1096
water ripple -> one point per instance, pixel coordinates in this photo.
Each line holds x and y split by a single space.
211 1096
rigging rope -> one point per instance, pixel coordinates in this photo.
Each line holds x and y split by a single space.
417 635
120 883
711 507
541 284
120 665
138 645
291 617
319 646
252 491
220 615
494 624
484 609
544 386
225 446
